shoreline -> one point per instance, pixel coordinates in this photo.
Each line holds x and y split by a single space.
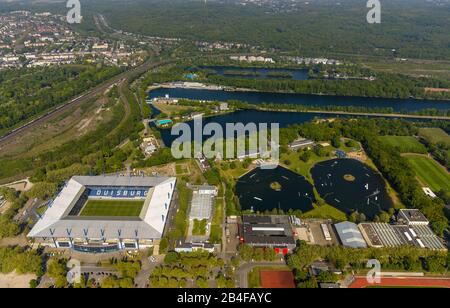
212 87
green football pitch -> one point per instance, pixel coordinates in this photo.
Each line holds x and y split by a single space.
406 144
430 172
113 208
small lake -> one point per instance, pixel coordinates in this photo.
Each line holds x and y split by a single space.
350 185
397 105
268 189
258 73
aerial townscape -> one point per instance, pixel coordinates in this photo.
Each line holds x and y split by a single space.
127 157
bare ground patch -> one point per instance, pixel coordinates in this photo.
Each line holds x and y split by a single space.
14 280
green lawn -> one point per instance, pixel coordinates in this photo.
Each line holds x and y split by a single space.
435 135
113 208
216 229
181 169
326 212
430 172
406 144
199 227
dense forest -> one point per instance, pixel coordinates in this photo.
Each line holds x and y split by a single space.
386 85
27 92
410 29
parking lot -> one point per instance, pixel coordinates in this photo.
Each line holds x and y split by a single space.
312 233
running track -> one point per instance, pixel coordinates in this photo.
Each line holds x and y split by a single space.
361 282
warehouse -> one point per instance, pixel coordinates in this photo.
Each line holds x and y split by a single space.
267 231
349 235
386 235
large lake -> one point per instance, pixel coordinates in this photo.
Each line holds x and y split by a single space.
300 99
284 119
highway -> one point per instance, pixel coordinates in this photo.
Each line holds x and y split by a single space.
90 94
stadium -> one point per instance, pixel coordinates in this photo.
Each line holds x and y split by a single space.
96 214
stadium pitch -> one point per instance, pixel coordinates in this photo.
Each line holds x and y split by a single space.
112 208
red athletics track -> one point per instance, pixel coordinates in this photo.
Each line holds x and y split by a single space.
277 279
361 282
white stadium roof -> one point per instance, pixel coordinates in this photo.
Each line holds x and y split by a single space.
56 222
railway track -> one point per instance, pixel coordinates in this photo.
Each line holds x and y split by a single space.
90 94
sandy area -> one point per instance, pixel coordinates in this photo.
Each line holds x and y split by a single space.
13 280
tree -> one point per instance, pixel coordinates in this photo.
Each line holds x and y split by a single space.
384 217
246 252
305 156
57 270
33 283
126 283
201 282
42 190
163 245
351 144
336 142
110 282
171 257
128 269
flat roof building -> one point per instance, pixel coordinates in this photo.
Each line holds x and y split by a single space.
412 217
386 235
301 143
267 231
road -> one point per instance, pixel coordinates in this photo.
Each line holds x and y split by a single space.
90 94
242 272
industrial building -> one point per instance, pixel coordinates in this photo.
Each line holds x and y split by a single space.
387 235
412 217
349 235
96 214
191 247
267 231
301 144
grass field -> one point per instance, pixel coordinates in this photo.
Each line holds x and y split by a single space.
199 227
435 135
406 144
326 212
113 208
430 172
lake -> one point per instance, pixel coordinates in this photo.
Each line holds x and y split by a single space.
350 185
284 119
397 105
268 189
